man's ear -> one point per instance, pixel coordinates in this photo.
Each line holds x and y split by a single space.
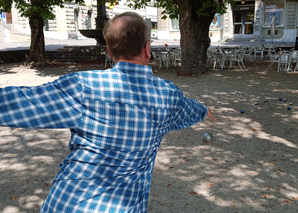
148 49
109 52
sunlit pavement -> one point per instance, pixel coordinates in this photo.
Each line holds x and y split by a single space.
53 44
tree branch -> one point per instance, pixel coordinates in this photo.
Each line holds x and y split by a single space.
175 2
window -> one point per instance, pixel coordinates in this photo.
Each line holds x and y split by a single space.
174 24
274 10
46 25
153 25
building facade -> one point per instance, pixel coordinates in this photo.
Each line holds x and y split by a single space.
74 17
246 20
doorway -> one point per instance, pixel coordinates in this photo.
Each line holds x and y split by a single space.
243 22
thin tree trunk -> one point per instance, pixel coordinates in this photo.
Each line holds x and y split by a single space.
37 55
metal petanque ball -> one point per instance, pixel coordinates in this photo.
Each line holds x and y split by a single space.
291 103
285 100
289 108
256 103
265 100
242 111
207 137
280 99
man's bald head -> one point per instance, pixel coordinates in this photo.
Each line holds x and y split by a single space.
126 34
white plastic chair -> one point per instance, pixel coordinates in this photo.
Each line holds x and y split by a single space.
273 59
109 60
248 54
283 63
259 50
209 57
267 48
155 56
241 59
272 49
218 60
164 60
294 60
177 56
241 49
171 59
236 58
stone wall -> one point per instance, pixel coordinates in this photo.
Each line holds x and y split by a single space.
13 56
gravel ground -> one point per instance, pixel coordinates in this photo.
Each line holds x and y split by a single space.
251 165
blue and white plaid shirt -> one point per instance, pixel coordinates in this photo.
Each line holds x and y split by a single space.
117 118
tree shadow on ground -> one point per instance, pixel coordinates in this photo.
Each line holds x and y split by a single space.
29 162
249 167
58 69
8 68
251 164
239 176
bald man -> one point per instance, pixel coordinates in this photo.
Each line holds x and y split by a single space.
117 118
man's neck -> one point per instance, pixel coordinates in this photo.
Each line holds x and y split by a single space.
131 61
138 60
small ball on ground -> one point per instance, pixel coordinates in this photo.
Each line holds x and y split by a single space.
289 108
207 137
242 111
280 99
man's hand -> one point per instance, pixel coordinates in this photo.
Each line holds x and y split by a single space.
211 116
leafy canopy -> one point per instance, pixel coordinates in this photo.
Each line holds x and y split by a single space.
44 8
171 7
34 8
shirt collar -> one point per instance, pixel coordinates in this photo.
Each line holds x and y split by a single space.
136 69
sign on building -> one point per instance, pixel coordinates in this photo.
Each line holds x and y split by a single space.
2 15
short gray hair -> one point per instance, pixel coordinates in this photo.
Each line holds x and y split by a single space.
128 40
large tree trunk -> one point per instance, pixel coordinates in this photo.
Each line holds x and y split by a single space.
194 41
37 56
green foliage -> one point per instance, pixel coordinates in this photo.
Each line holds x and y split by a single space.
5 5
44 8
35 8
200 8
213 7
170 8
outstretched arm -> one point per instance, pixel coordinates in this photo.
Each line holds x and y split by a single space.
211 116
53 105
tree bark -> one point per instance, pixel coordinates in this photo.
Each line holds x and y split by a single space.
37 56
194 41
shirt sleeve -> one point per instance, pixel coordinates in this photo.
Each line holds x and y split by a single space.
187 112
57 104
